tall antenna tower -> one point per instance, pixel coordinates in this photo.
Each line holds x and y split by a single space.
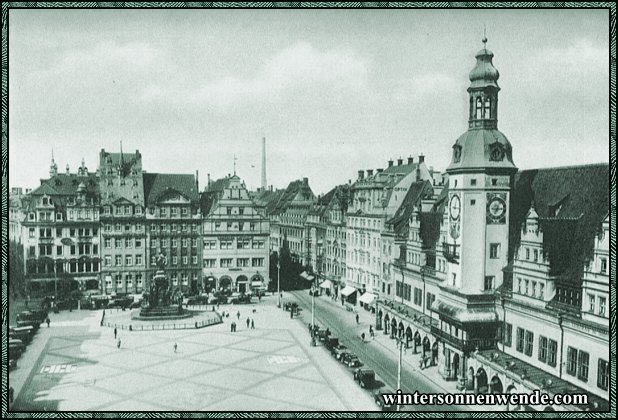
263 163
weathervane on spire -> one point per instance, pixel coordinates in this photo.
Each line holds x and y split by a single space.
234 163
484 36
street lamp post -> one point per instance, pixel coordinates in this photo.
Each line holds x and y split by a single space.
400 345
278 282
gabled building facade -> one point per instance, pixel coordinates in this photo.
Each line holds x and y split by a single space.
174 224
123 222
236 235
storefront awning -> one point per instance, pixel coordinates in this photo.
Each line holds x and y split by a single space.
326 284
367 298
347 291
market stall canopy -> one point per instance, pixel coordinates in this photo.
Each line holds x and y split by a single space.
347 291
326 284
367 298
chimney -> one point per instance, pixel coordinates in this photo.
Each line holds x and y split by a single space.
208 186
399 162
306 181
380 170
197 181
390 163
361 174
349 182
369 172
68 172
421 158
271 187
410 160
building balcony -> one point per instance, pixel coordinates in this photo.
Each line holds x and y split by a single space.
450 252
472 344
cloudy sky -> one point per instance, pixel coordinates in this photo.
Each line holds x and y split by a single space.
333 91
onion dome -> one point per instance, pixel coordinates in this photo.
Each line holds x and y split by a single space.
484 73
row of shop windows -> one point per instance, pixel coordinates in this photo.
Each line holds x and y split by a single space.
577 360
229 262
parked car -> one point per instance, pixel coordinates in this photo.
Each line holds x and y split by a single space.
34 319
379 400
338 351
240 298
323 335
351 360
221 299
22 333
196 300
331 343
16 348
366 378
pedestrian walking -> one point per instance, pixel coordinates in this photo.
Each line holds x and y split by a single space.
252 325
175 347
47 320
357 318
371 333
115 333
238 315
232 327
119 343
248 321
363 337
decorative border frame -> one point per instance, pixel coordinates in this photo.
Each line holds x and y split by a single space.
174 5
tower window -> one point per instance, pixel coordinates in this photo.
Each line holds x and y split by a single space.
473 182
479 108
487 109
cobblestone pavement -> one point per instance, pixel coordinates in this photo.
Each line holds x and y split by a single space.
77 365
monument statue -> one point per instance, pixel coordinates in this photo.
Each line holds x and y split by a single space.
163 299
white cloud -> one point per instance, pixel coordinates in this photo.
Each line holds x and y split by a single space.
296 67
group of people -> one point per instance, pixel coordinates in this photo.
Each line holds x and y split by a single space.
250 323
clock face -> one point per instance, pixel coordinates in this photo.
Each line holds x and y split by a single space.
496 209
455 207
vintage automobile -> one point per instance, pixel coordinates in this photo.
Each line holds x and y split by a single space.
16 348
379 400
220 299
22 333
351 360
331 343
33 318
338 351
366 378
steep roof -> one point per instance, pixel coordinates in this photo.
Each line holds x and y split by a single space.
572 203
156 184
66 185
417 191
300 189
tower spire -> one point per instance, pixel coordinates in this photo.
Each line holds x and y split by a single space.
234 163
53 167
263 163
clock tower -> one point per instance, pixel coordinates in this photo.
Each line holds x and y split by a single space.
480 179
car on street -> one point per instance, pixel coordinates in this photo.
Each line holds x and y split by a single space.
33 319
196 300
351 360
16 348
339 351
366 378
22 333
221 299
331 343
379 400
